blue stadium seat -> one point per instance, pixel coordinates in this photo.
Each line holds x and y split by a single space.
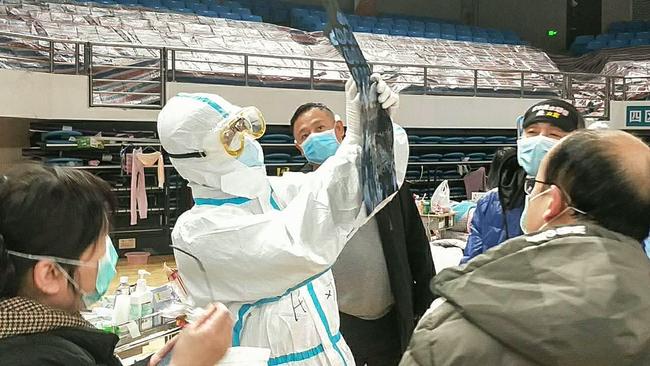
432 35
252 18
511 36
217 8
399 32
381 30
495 35
474 140
362 29
583 39
299 12
617 27
480 33
640 42
430 139
416 34
430 157
481 40
264 11
241 11
596 45
477 156
464 38
370 23
625 36
414 139
455 156
402 23
605 37
451 37
197 7
232 16
618 43
643 35
184 10
432 27
636 26
208 13
231 4
386 20
279 15
417 26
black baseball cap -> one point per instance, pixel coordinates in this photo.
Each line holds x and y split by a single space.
556 112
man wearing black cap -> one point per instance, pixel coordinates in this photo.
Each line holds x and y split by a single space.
498 214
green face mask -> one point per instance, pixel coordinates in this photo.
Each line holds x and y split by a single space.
106 271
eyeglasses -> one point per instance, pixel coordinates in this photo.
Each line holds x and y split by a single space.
529 184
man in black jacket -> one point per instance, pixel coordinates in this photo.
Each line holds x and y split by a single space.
382 276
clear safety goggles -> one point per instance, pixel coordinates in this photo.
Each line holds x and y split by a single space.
248 121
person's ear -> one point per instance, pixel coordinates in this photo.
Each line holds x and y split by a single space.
48 278
339 130
556 204
299 149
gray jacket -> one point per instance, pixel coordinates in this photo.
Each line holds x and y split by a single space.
577 296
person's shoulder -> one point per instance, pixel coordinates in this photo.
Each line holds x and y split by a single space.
490 199
440 332
43 349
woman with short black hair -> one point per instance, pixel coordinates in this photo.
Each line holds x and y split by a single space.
56 259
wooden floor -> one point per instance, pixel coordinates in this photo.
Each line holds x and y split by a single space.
155 267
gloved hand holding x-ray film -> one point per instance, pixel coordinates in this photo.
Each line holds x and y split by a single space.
264 252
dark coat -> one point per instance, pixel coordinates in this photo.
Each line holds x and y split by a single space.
408 259
60 347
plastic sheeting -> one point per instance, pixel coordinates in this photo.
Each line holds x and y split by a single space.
93 23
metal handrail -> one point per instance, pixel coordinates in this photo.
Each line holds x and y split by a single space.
167 57
287 57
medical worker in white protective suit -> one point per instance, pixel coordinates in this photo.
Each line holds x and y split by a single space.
264 247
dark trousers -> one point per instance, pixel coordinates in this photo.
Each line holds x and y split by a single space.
373 342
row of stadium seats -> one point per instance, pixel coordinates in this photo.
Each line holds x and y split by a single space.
278 138
590 43
316 20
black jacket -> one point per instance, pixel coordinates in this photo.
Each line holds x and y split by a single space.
408 258
60 347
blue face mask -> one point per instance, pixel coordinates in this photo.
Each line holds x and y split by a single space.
106 271
253 154
318 147
531 151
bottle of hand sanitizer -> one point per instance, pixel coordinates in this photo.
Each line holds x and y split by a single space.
141 301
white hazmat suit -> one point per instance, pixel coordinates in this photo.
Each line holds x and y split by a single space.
267 248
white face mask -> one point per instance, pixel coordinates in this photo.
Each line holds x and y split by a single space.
524 216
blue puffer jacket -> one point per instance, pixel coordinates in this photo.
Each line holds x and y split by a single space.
487 228
647 246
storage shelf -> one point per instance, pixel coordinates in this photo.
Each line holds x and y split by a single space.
448 162
109 167
283 164
461 145
75 147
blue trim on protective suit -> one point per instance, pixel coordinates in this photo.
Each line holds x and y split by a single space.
239 325
300 356
207 101
221 201
323 319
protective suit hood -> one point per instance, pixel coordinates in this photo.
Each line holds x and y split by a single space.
191 123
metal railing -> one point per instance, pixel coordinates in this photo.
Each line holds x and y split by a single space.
135 76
